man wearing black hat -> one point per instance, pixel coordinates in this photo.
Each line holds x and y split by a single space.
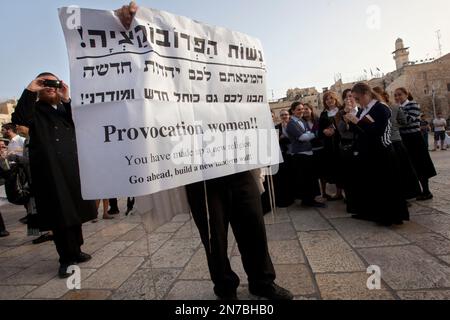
45 108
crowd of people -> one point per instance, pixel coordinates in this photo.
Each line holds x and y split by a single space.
371 148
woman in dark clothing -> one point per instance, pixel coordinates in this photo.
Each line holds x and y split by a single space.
414 142
312 122
378 178
305 181
330 172
408 178
283 192
349 163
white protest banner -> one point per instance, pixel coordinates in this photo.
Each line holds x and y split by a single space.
169 102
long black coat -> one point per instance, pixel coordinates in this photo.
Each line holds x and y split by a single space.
330 154
54 163
379 189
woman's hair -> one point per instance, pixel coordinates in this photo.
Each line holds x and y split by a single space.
334 96
344 94
406 92
313 114
363 88
383 94
294 106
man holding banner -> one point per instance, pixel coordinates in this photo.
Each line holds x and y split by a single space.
186 105
235 200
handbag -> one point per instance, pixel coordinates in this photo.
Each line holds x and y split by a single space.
17 186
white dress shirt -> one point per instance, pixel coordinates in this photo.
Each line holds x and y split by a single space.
16 145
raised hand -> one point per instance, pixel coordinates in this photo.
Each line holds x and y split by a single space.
36 85
127 13
64 92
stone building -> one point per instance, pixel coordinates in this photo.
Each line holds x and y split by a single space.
427 80
305 95
6 110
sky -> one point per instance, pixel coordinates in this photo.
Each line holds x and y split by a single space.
306 43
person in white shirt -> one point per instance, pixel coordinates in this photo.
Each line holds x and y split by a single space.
16 142
439 125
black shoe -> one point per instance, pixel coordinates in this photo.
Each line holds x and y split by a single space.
113 211
128 212
44 238
313 204
226 295
4 233
62 272
425 197
24 220
83 257
271 292
335 198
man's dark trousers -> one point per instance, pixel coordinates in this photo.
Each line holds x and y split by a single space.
233 200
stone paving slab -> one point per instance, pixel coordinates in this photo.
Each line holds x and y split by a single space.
431 242
6 272
87 295
197 268
297 278
14 292
188 230
107 253
408 267
170 227
175 253
55 288
362 234
349 286
112 275
38 274
439 223
138 287
309 221
425 295
280 231
445 259
192 290
286 252
326 251
281 216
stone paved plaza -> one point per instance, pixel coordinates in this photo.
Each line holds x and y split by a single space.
318 254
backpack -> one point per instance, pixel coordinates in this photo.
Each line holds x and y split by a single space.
17 186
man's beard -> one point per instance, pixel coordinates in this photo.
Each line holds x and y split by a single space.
55 100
